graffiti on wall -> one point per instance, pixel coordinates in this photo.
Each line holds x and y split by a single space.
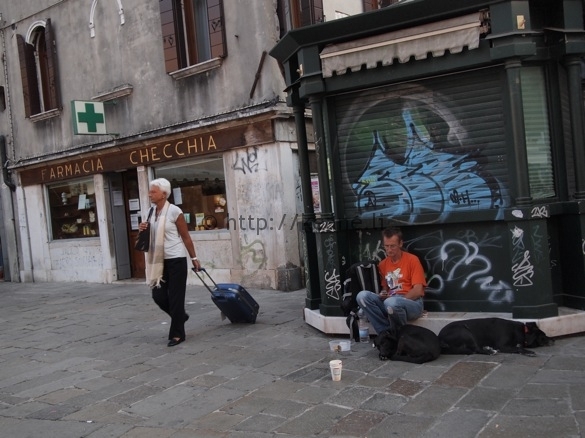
423 185
416 156
459 265
522 268
332 276
253 255
247 161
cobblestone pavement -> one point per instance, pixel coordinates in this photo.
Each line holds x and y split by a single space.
90 360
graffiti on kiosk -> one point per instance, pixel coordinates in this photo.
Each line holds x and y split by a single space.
522 268
332 278
377 253
463 264
333 285
540 211
539 244
425 185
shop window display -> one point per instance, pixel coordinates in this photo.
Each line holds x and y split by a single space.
73 209
199 190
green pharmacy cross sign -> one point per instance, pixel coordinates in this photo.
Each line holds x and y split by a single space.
88 117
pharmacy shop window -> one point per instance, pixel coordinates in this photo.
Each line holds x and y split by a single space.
199 190
73 210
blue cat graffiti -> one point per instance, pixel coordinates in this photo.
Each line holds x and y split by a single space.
424 185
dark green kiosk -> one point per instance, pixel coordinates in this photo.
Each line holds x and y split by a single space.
461 121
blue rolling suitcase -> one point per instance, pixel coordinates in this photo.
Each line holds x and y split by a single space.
235 303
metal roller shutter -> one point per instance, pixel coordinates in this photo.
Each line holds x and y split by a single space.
419 152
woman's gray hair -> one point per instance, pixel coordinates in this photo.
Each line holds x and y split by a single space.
163 184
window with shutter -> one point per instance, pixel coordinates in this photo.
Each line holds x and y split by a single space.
39 70
311 12
297 13
29 78
193 32
537 131
50 70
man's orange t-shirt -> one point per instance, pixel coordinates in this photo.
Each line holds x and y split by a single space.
406 273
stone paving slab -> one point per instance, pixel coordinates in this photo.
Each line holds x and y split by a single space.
90 360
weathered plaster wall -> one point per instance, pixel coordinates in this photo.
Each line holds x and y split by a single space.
263 210
132 53
261 181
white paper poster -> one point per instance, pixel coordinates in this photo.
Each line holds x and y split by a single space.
134 204
81 202
177 196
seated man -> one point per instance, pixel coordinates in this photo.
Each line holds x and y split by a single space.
403 283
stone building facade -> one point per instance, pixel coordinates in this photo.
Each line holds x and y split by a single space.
97 98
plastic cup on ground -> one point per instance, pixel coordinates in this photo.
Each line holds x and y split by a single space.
335 366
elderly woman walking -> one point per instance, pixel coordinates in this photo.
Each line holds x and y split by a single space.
166 262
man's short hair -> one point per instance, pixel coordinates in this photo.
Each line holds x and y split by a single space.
391 232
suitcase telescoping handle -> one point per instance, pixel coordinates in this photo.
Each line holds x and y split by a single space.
202 280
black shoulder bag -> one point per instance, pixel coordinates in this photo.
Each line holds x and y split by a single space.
143 239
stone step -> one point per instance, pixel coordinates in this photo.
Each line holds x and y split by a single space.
569 321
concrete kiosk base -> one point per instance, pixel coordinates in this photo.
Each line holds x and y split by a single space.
569 321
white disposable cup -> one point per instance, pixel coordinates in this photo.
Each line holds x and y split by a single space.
335 366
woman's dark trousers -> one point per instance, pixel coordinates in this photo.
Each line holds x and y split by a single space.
170 296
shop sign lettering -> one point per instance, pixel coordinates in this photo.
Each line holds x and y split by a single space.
176 149
144 155
85 167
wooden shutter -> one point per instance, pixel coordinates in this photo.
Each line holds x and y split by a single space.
28 74
52 69
172 41
216 28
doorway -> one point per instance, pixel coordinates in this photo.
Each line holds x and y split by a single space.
125 203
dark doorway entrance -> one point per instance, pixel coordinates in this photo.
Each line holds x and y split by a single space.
125 202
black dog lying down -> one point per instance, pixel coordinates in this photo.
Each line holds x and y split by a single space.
408 343
490 335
